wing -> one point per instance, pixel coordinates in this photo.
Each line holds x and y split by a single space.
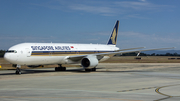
79 57
130 49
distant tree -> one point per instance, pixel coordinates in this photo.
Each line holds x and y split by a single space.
175 54
153 54
2 52
129 54
168 54
143 54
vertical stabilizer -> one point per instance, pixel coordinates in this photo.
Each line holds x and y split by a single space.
113 37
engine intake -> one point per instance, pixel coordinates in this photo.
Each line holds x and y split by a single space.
89 61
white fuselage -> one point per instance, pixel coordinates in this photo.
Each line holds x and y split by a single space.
52 53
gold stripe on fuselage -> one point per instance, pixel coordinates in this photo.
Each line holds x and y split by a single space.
63 53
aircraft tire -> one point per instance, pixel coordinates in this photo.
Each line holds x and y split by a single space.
88 70
56 69
64 68
60 68
94 69
18 72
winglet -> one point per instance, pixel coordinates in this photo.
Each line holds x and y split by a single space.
113 37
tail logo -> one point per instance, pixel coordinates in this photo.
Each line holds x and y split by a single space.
113 38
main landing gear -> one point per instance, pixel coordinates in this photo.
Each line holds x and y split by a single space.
89 70
60 68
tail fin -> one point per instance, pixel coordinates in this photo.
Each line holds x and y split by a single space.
113 37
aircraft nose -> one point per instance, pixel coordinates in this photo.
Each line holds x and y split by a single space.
7 57
10 57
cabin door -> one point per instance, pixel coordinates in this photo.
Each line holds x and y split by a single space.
28 52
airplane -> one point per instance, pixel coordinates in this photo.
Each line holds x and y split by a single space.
87 55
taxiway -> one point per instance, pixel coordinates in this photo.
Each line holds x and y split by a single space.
115 81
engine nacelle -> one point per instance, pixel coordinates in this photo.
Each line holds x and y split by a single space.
89 61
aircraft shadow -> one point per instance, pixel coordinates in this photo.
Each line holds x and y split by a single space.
34 71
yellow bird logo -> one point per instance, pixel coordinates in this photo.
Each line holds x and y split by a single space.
113 36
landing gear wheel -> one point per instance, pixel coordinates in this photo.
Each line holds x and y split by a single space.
94 69
18 71
89 70
64 68
56 68
60 68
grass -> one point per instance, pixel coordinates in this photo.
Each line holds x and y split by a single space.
123 59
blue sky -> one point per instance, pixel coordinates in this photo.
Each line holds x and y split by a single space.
149 23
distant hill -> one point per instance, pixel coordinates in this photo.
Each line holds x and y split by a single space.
162 51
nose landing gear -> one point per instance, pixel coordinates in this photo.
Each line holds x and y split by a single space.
18 70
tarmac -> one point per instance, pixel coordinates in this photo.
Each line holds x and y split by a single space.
111 82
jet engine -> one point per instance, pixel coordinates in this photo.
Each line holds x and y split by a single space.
89 61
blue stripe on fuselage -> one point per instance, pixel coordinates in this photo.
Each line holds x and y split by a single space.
66 52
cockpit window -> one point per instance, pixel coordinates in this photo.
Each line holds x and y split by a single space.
11 51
